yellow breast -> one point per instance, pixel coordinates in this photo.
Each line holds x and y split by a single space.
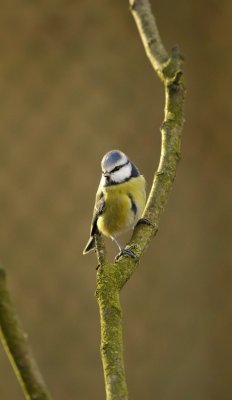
125 203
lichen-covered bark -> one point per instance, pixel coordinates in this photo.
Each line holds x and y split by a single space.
112 277
16 345
111 335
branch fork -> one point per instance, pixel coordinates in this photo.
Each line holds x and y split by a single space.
112 277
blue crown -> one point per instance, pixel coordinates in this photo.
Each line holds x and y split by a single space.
111 158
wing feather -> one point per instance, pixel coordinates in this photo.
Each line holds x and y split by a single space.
99 208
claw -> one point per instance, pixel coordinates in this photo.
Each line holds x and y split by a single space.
144 221
128 252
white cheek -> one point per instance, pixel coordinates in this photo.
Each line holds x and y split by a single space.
122 174
102 181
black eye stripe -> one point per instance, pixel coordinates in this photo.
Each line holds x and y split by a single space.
116 168
119 167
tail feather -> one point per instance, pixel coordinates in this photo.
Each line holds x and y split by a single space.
90 245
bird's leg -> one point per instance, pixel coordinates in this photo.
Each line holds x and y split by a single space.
122 250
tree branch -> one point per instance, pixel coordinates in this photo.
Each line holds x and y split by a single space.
111 333
112 277
15 343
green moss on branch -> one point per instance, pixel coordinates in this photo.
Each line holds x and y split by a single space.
111 334
15 343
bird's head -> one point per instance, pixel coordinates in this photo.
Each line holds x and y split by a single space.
117 168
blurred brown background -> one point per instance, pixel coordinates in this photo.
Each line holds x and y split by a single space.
75 83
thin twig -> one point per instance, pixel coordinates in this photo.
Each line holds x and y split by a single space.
15 343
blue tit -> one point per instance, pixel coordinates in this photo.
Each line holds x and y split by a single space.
120 199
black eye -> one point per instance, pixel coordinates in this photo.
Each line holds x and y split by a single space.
116 169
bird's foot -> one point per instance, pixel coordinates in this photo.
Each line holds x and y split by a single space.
128 252
144 221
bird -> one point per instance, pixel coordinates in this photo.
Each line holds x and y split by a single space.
120 200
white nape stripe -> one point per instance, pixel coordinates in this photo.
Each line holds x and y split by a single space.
122 174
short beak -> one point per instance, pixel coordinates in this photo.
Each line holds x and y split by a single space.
106 174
